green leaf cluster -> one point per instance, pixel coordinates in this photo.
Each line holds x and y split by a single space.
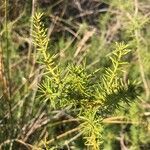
92 97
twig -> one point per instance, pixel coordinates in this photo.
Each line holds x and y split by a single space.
29 146
63 135
85 38
74 138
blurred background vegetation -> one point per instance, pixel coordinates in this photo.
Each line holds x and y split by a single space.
80 31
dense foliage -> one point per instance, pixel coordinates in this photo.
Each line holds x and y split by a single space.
74 74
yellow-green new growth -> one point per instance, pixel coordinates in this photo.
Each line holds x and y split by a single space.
41 42
110 78
77 90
